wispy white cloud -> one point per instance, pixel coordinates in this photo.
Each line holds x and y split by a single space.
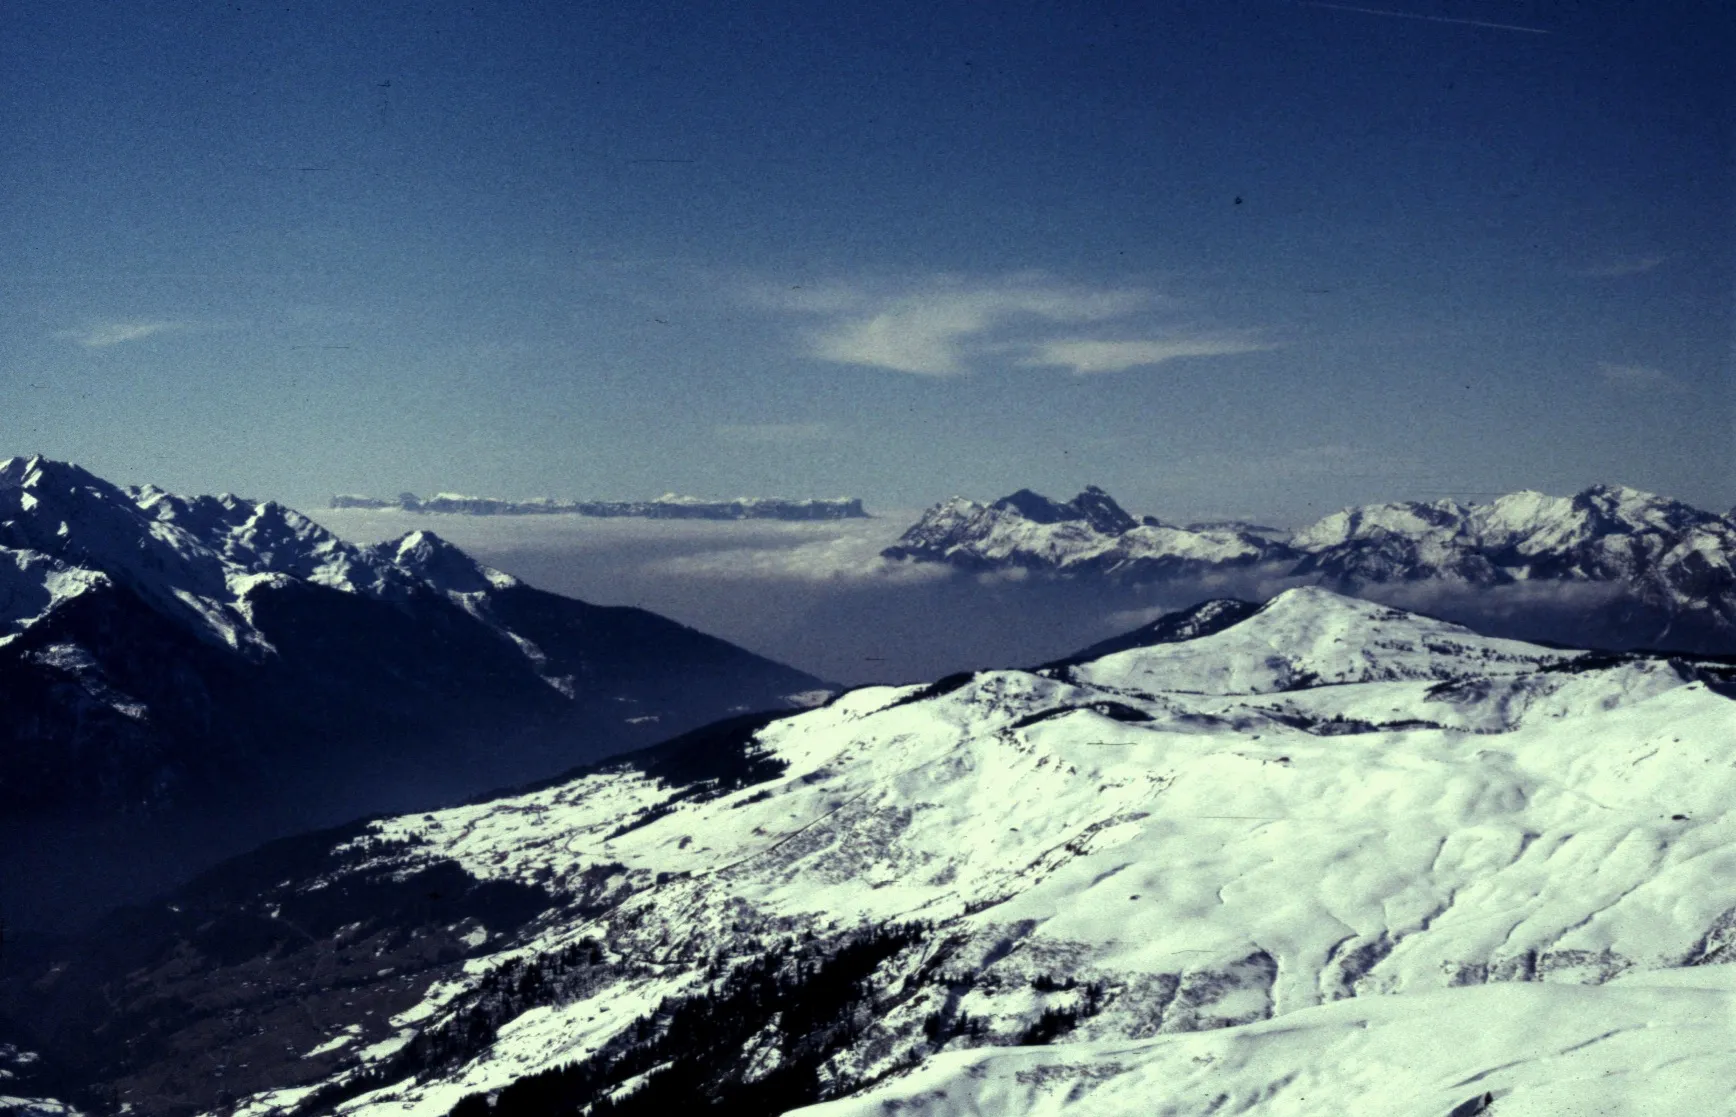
101 335
1625 266
938 331
951 326
1083 356
1632 376
773 434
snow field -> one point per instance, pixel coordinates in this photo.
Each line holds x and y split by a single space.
1275 894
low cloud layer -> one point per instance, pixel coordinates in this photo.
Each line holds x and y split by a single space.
839 560
820 597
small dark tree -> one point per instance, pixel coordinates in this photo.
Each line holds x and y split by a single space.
472 1105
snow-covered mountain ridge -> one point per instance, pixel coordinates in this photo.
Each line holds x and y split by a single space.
178 658
1662 573
199 557
1320 801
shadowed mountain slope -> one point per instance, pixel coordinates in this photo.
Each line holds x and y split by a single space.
183 677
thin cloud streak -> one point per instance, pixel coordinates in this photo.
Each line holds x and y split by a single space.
1632 376
105 334
773 434
1422 16
1084 356
1619 269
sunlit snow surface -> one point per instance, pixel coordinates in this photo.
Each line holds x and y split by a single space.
1330 800
61 528
1657 1043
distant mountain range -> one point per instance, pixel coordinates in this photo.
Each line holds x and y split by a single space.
182 676
1315 856
1610 566
667 507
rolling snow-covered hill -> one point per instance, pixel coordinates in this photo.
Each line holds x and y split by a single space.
1251 866
1610 566
184 676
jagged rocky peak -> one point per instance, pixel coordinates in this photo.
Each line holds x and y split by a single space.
43 488
1092 506
1514 518
1624 507
209 661
1672 566
1036 507
37 471
1407 518
1101 511
1088 535
441 564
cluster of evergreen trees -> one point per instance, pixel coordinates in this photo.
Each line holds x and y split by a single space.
695 1050
754 1043
1054 1023
559 976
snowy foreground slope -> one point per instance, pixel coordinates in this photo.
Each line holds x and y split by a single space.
1326 858
1659 1042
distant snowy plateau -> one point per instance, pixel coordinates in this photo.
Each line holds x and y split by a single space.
667 507
1319 856
1608 567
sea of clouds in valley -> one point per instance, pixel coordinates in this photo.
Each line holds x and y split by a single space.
815 595
819 596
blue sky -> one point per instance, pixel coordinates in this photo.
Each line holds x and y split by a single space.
1244 257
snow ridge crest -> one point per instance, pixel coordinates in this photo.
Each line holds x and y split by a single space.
1675 562
65 531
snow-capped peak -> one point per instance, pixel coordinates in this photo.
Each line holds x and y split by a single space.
1629 508
1088 534
1404 518
1093 506
200 557
441 565
38 471
1672 566
1529 520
